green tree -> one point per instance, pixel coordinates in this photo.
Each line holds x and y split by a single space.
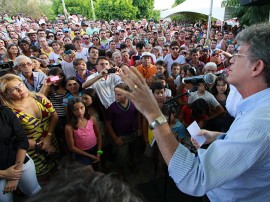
111 9
145 8
32 8
82 7
248 15
177 2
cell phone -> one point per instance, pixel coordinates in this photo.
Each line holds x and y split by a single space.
112 70
53 79
136 57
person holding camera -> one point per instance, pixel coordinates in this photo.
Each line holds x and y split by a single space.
103 81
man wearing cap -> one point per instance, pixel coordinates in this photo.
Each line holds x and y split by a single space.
146 68
32 34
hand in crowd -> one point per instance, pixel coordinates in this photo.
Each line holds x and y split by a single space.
140 90
11 186
119 141
46 145
210 137
13 172
94 158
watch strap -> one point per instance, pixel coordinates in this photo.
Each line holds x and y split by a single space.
157 122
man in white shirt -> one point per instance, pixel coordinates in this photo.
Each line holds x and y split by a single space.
174 56
103 82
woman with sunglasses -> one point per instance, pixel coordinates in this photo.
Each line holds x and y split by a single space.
96 43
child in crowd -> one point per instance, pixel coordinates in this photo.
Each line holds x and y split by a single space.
122 125
161 78
67 60
176 126
161 68
82 133
81 70
174 79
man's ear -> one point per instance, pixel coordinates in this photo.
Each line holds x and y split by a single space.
258 67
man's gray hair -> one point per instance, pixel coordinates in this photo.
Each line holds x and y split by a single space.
18 59
257 37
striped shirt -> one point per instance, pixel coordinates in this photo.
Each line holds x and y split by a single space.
57 101
236 166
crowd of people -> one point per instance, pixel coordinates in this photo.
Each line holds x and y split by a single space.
67 82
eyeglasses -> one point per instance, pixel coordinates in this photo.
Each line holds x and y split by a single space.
238 55
24 64
12 90
77 33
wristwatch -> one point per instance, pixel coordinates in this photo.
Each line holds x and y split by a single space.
157 122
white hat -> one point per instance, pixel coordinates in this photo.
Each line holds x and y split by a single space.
144 54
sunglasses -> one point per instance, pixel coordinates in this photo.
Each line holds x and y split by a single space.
175 48
86 38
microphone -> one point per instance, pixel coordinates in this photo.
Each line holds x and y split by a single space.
207 78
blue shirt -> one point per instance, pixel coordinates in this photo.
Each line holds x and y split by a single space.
236 166
178 129
39 78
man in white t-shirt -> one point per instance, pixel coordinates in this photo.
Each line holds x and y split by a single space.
56 52
174 56
103 82
81 52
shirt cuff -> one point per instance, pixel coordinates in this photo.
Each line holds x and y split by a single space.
181 163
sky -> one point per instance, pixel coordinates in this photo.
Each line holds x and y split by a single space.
163 4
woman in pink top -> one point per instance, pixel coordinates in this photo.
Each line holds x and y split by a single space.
82 133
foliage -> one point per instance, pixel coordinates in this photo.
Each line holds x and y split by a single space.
82 7
188 17
109 9
32 8
112 9
177 2
145 8
248 15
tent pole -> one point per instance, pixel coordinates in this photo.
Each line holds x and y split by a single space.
209 22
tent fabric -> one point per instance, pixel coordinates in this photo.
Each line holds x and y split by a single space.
197 6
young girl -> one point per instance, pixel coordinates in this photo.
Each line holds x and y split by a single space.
82 133
221 90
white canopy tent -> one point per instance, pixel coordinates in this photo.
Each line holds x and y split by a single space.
197 6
